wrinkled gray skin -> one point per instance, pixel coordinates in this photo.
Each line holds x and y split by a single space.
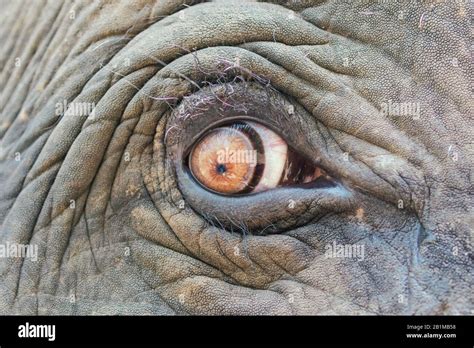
121 229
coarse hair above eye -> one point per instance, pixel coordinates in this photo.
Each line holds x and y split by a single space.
224 72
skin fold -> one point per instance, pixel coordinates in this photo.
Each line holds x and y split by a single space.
121 228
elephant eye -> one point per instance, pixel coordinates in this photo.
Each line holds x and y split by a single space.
245 157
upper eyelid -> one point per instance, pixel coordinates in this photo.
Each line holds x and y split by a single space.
197 120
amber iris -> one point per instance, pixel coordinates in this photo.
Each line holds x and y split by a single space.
219 160
247 157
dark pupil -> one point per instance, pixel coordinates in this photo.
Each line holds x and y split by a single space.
220 168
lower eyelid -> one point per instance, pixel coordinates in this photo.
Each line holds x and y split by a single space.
273 211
